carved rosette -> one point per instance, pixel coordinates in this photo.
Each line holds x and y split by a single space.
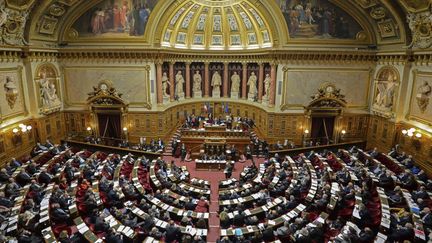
421 29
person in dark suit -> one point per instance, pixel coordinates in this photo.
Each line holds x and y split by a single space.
23 178
4 175
58 214
402 233
365 216
238 220
45 177
113 237
172 232
426 217
366 235
268 234
190 205
14 163
420 193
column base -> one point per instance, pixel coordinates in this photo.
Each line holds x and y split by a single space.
197 94
265 102
234 95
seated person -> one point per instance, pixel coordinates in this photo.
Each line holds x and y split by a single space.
202 205
401 233
39 148
58 214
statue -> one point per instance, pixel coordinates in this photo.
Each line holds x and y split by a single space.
165 83
48 91
179 80
422 97
267 82
252 86
385 95
11 91
216 82
197 82
235 82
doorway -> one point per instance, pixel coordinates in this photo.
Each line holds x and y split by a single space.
109 125
322 129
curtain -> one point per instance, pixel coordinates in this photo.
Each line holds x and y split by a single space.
109 125
322 129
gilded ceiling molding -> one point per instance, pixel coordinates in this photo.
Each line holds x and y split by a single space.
46 24
392 59
420 25
13 17
10 56
389 27
416 6
423 59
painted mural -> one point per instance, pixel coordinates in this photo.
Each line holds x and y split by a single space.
115 18
318 19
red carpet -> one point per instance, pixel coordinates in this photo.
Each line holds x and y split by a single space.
213 177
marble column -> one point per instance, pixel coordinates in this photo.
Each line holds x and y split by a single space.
188 81
225 80
260 81
206 80
244 81
159 83
272 85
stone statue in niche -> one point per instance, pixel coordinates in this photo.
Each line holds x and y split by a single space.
197 79
11 91
165 83
48 91
216 82
423 95
267 82
252 87
235 85
386 85
179 80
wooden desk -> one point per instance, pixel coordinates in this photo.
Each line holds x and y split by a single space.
210 164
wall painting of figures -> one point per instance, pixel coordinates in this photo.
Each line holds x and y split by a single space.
115 19
318 19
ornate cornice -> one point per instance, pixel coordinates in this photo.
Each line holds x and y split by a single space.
281 56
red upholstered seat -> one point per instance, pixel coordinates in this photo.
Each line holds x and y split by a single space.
59 228
350 203
82 208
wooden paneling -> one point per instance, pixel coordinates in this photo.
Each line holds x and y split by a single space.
381 133
16 145
77 122
285 126
51 127
355 126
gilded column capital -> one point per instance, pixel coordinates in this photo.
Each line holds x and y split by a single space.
159 62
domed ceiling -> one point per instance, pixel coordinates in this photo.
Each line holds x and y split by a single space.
204 24
210 24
